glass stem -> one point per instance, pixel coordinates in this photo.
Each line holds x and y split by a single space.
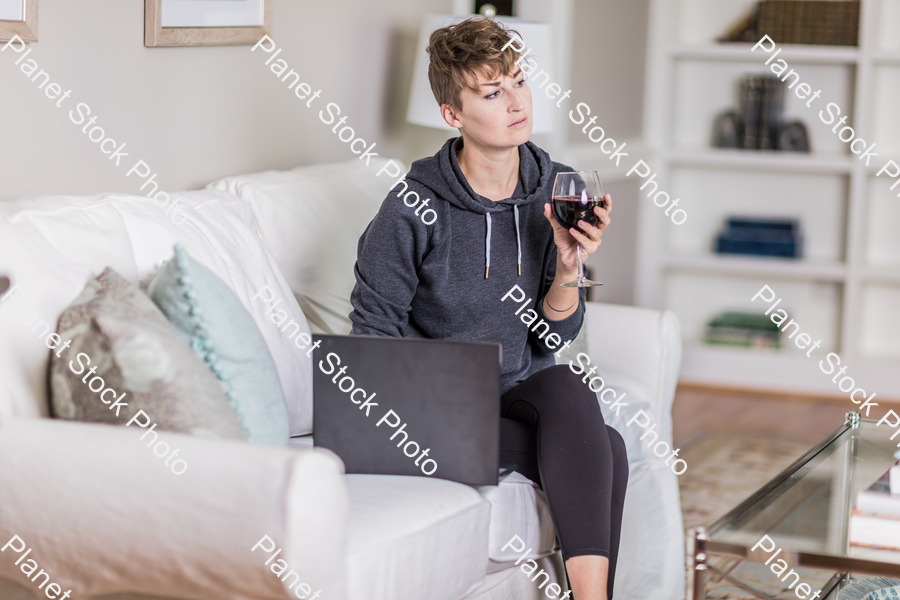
580 265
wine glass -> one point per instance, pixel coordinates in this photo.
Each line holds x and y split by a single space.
575 194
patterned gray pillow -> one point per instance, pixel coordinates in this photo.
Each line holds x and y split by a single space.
123 348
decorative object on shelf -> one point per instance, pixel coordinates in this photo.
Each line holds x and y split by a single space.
727 130
820 22
19 17
749 330
761 237
792 137
757 125
205 22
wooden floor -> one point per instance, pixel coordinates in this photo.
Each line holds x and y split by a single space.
698 411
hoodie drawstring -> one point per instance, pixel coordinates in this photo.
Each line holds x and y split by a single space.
487 247
487 243
518 239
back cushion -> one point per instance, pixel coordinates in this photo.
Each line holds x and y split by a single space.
49 248
311 218
52 246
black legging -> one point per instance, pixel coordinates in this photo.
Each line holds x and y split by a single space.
552 432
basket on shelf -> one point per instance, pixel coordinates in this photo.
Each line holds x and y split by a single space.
821 22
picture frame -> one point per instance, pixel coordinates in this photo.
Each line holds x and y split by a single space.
19 17
205 22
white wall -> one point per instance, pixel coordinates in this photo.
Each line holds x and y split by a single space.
196 114
609 49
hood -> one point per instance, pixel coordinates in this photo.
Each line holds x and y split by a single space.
441 174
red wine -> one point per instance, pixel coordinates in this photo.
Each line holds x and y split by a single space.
568 210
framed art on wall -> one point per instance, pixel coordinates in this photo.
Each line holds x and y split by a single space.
205 22
18 17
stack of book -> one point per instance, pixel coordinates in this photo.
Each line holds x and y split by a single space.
875 520
825 22
761 237
762 98
749 330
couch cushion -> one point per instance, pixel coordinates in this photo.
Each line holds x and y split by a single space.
414 537
132 354
311 218
220 234
50 248
53 245
222 333
518 507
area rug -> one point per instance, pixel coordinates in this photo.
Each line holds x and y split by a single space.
724 469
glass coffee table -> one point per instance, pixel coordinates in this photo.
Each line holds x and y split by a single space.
806 511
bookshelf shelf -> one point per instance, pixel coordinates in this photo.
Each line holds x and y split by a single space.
886 58
754 266
737 51
840 290
760 160
883 275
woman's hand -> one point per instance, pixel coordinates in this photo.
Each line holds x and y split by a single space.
567 240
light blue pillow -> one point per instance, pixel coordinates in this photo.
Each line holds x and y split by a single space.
221 331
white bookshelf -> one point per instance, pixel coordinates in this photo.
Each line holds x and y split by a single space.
846 289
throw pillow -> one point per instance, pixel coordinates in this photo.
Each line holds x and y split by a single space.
123 351
295 211
223 334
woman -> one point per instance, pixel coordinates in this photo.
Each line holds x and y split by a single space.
423 277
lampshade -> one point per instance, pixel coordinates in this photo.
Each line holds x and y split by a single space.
424 109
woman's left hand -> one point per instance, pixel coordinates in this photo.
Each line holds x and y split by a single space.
567 240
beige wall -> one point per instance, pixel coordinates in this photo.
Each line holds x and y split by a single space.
608 55
196 114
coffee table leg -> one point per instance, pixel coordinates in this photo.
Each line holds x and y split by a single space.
695 556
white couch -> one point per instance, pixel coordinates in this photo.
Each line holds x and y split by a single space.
105 519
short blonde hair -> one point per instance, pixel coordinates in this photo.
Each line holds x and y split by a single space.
459 51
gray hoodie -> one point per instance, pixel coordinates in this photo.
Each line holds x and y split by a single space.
446 280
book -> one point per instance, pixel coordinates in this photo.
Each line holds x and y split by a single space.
770 112
751 96
878 499
760 237
876 531
750 330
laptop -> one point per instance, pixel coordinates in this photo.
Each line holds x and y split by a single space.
401 406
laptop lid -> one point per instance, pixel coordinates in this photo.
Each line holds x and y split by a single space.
401 406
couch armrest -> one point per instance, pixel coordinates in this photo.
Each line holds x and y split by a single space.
638 352
103 514
640 349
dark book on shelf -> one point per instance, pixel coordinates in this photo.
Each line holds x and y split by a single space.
760 237
787 225
751 98
770 112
